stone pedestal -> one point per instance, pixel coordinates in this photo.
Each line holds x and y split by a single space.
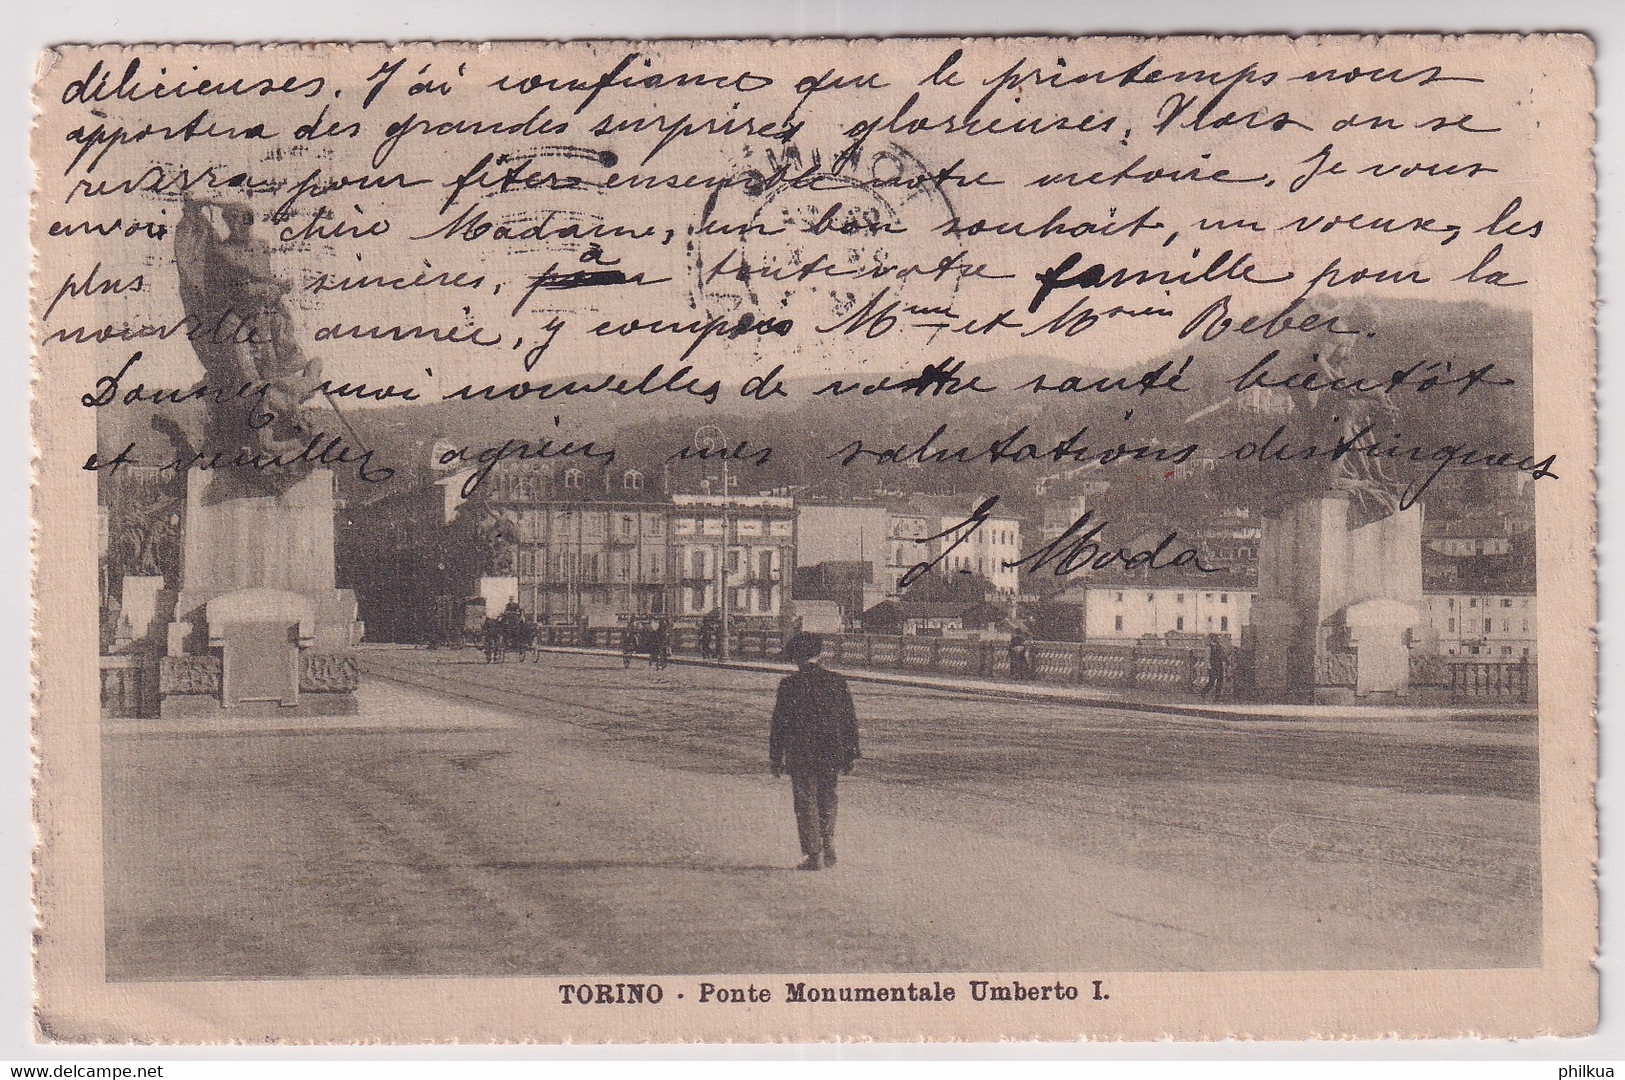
259 623
1336 604
1379 631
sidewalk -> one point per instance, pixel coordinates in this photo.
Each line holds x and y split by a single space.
1095 695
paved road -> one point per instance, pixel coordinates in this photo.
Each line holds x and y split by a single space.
575 817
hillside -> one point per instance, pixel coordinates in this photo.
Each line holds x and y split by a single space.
805 431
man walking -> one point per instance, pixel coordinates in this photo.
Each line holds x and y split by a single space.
814 737
660 644
1218 657
629 641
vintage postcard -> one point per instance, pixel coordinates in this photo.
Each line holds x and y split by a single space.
1030 538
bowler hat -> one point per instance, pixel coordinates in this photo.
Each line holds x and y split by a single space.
802 646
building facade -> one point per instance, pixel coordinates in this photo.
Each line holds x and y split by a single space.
1124 612
752 538
924 528
1499 625
850 533
581 543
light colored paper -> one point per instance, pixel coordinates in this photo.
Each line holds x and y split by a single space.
456 858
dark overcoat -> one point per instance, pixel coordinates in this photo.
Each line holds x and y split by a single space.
815 728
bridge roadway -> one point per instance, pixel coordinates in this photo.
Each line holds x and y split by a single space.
572 816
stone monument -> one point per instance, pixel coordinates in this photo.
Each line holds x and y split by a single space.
1337 603
1340 571
259 625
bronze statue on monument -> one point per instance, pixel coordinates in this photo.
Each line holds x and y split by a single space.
227 285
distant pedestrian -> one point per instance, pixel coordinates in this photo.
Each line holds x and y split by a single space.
814 738
629 642
1218 659
1018 654
708 636
660 644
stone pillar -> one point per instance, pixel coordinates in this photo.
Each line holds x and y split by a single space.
1313 569
1301 567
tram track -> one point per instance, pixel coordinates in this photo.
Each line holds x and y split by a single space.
644 715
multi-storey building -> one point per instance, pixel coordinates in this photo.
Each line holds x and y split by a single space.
924 528
1126 612
579 541
845 533
752 538
1492 624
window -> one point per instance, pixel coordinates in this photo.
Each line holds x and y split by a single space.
632 480
1119 600
1450 626
697 560
1179 598
1179 623
733 561
1486 626
623 569
1506 602
764 598
764 565
1117 622
1208 597
1506 626
1473 602
1224 598
1506 650
574 479
1150 599
735 599
1224 623
697 598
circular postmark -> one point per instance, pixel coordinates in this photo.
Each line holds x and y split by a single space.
845 248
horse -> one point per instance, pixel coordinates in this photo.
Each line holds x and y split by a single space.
518 633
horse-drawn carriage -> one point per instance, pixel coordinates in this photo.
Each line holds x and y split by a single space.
512 631
460 623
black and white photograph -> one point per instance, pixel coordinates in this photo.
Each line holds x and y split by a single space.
816 538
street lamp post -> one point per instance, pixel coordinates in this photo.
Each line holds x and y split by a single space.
709 439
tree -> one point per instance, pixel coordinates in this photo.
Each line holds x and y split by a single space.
943 586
